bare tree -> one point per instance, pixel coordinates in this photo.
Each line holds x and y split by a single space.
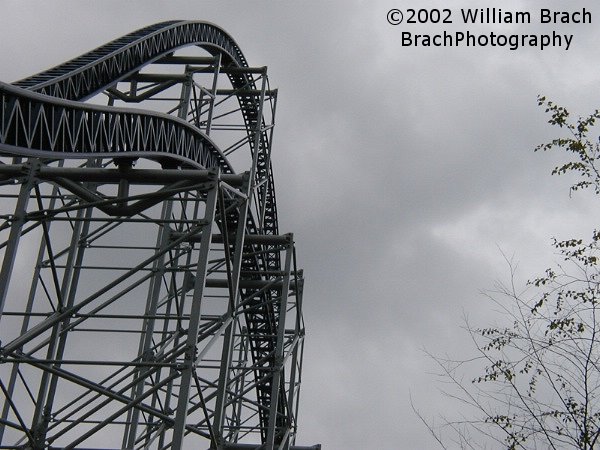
539 375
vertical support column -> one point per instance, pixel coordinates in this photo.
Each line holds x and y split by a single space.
186 91
129 437
243 356
189 362
158 269
18 220
278 359
226 356
213 93
296 364
58 339
299 356
26 318
57 342
178 305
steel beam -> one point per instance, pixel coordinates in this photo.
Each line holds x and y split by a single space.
207 356
278 363
106 175
17 221
193 325
234 283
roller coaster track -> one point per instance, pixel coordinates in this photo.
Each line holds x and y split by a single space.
44 123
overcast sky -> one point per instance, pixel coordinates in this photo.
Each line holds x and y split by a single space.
403 172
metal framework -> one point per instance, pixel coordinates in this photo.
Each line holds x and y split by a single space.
147 298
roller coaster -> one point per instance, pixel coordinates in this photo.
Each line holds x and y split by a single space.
147 298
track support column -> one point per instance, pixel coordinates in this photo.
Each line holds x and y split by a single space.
194 322
18 219
234 281
278 364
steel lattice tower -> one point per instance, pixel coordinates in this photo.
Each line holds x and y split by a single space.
147 298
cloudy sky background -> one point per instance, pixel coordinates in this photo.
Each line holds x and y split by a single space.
404 174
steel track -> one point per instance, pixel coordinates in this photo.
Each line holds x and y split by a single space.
43 116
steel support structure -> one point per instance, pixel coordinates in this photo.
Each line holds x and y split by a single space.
147 298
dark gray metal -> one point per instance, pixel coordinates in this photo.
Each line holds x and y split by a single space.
279 427
234 286
212 354
16 222
191 349
108 175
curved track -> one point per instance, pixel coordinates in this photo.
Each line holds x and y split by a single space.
43 116
93 72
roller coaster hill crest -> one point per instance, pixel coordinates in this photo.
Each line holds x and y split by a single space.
147 297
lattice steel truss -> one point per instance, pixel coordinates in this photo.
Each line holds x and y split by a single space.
147 299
